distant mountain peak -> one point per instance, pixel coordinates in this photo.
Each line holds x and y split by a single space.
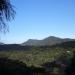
52 37
32 40
51 40
1 43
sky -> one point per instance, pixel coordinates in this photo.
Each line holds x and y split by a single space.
38 19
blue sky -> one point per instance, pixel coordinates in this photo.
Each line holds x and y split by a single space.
37 19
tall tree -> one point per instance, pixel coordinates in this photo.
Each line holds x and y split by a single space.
6 14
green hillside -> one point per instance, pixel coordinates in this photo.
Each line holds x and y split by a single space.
38 55
52 40
36 60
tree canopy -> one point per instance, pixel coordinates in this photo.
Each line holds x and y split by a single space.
6 14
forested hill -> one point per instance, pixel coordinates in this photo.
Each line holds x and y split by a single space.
19 47
52 40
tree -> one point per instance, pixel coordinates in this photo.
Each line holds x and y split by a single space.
70 70
6 14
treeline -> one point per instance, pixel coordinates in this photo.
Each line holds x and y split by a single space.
18 47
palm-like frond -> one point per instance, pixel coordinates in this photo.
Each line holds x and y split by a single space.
6 13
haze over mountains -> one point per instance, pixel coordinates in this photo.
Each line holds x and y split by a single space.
52 40
49 41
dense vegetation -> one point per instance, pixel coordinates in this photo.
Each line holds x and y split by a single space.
35 57
38 60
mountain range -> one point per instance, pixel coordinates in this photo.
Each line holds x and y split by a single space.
49 42
52 40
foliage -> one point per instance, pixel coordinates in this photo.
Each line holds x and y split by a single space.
38 56
6 13
14 67
70 70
